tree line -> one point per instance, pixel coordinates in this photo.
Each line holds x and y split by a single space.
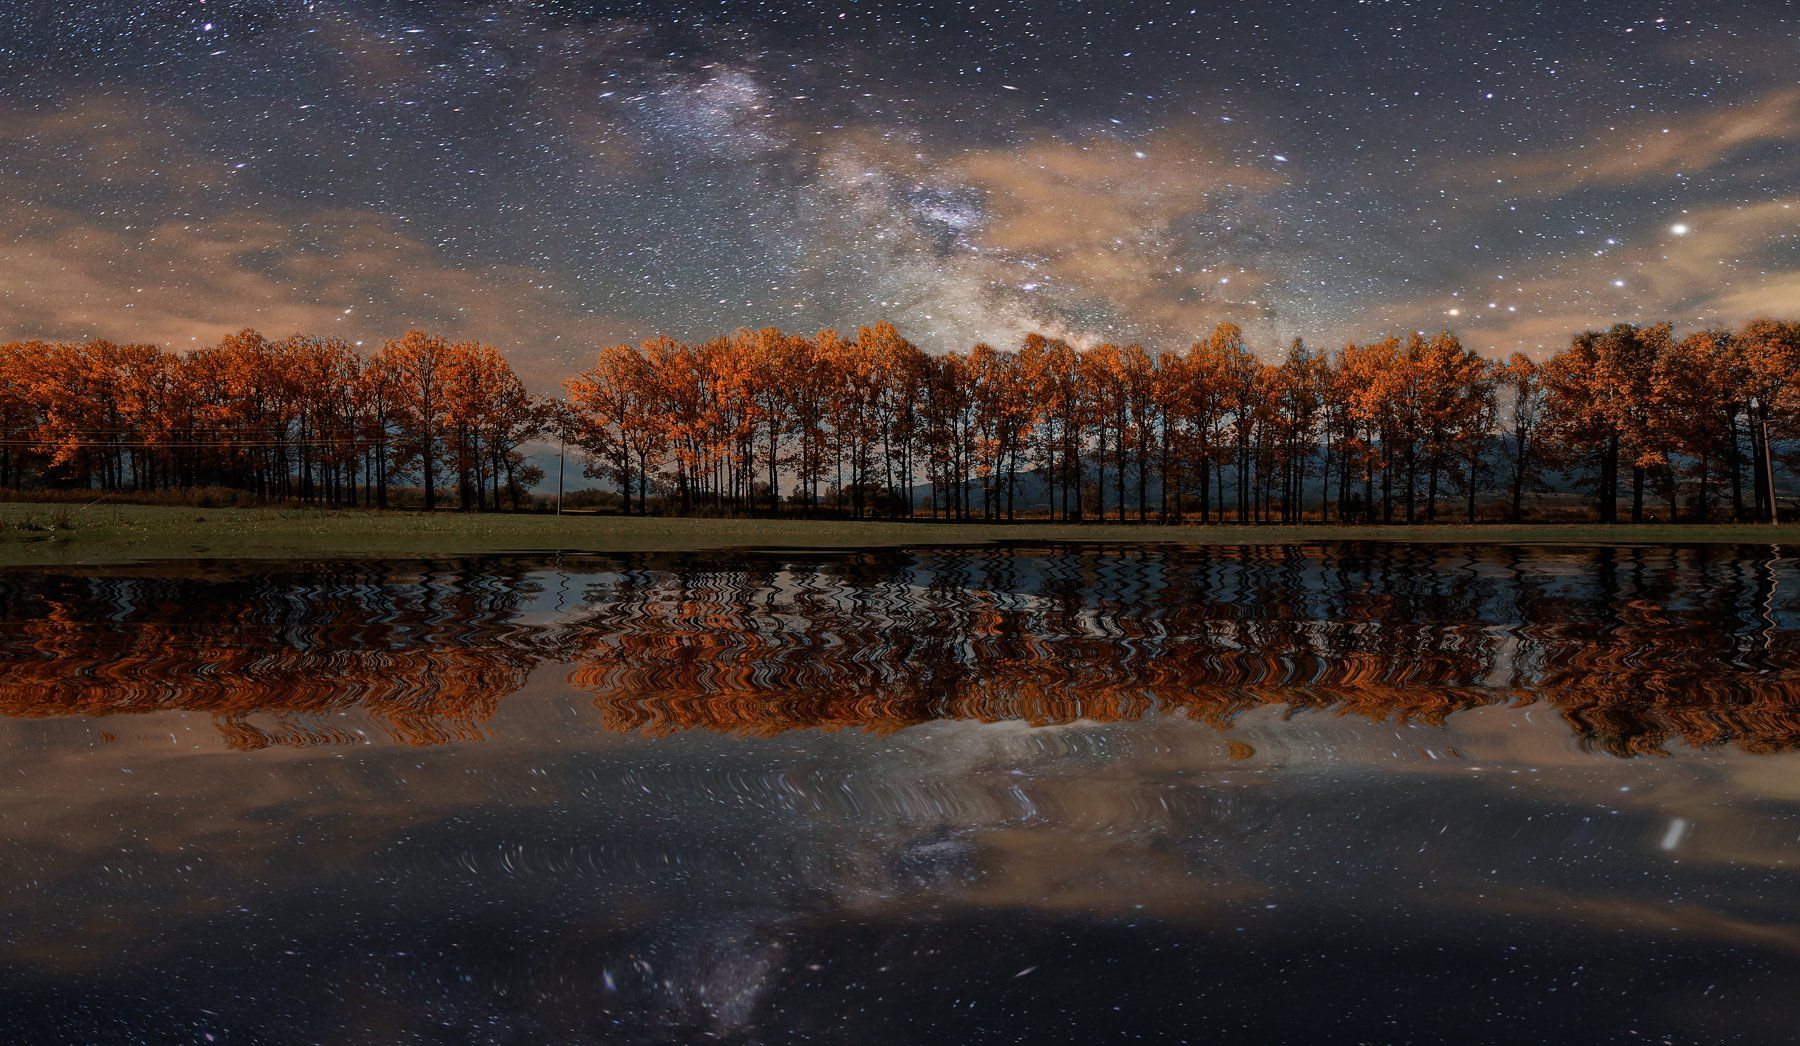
299 418
1401 429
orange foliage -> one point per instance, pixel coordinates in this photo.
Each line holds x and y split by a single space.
1392 430
305 418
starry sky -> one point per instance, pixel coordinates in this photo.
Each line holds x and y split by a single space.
553 175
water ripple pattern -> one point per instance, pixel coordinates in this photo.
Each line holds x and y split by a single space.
1634 648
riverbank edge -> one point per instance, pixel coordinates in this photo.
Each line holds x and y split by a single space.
43 534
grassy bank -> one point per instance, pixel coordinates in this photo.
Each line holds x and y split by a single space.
61 534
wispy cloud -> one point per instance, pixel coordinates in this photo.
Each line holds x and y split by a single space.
1729 263
1650 147
155 266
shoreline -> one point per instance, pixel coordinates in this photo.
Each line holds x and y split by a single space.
53 534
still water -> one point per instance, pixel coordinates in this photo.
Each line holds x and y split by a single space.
1359 793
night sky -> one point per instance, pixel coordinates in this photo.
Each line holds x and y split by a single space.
548 176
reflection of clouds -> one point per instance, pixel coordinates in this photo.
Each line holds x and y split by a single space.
1365 758
1632 915
673 881
708 973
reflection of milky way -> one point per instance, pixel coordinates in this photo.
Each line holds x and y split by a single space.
1634 648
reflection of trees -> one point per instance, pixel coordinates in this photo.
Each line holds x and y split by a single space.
1635 648
1648 646
426 657
1632 661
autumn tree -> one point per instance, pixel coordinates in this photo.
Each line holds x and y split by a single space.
614 413
1521 381
416 367
1769 354
1598 396
766 420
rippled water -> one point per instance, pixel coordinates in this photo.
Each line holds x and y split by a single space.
1326 793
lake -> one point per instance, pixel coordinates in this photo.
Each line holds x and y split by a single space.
1340 792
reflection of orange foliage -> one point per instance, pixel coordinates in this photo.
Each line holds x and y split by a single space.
411 673
679 680
695 659
884 643
420 697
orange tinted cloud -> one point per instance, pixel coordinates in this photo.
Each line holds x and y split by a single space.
150 269
1649 148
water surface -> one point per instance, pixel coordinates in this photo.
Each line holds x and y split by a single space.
1321 793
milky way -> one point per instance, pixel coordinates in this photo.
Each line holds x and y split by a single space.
548 176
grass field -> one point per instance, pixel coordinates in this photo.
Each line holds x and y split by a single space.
65 534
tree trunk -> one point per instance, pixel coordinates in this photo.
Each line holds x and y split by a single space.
1609 480
1474 468
1734 460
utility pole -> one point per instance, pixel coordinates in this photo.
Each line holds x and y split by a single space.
562 446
